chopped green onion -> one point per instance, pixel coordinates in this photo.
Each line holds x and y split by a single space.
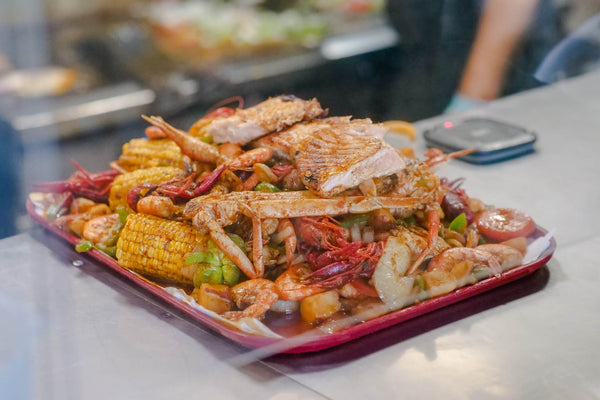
231 274
123 213
213 265
109 251
84 246
353 219
266 188
237 239
214 258
194 258
408 221
459 223
208 274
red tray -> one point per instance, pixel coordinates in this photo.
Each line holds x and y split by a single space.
313 340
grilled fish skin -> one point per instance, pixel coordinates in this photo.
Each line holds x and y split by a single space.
272 115
285 143
331 162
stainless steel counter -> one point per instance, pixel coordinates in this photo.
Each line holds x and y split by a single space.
71 329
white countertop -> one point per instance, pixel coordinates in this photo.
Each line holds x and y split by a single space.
72 330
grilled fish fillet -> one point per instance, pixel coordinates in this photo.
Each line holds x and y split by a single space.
285 143
330 162
272 115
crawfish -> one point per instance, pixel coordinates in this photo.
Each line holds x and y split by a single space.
334 260
94 186
190 187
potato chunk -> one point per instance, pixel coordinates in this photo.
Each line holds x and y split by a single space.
216 298
320 306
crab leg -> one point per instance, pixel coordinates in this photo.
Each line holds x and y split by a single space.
257 247
433 223
205 221
213 212
290 205
286 233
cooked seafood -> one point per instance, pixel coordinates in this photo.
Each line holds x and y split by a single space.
191 146
254 297
330 162
289 212
285 143
272 115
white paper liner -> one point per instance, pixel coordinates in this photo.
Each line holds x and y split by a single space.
537 247
248 325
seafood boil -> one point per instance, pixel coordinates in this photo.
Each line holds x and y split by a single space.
280 209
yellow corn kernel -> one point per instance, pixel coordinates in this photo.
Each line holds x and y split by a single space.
145 153
127 181
157 247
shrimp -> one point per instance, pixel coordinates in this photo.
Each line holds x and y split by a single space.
289 286
433 223
254 297
507 256
285 233
76 222
448 259
251 182
80 205
230 150
417 243
102 230
250 158
158 205
191 146
154 132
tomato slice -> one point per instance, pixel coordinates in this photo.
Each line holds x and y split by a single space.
502 224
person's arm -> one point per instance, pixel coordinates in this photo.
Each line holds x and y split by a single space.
501 27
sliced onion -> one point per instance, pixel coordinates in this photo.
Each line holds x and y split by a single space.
355 235
285 306
368 234
264 173
392 285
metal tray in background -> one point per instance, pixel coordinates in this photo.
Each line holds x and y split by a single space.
136 79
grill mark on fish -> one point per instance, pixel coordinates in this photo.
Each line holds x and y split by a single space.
272 115
285 143
331 162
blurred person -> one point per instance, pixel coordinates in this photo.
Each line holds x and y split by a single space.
578 53
502 26
451 46
10 157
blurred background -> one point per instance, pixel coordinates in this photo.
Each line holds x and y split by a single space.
76 76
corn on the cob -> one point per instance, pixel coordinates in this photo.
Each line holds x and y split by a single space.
127 181
144 153
157 247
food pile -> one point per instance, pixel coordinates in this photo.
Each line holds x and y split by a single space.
280 208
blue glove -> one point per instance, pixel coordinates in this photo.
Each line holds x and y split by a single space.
460 103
